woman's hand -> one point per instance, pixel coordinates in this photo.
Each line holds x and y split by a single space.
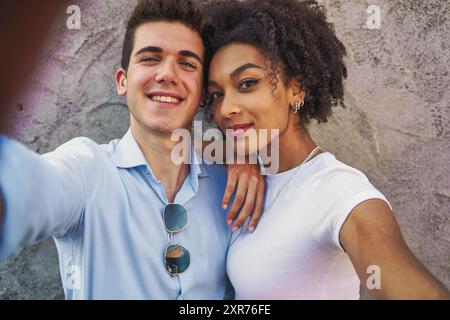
250 187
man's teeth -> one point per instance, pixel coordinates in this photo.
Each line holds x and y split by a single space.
165 99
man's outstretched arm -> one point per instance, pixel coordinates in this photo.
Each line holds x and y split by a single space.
42 196
1 213
32 20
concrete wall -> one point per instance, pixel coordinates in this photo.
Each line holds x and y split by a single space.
395 128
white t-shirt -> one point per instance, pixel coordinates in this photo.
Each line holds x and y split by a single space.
295 252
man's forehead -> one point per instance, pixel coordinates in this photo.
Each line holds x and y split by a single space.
169 36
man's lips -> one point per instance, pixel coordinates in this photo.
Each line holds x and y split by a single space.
238 129
165 97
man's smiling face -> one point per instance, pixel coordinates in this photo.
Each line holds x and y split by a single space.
164 78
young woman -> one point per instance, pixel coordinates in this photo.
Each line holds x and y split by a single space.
325 228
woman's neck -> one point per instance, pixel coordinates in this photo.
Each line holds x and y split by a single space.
295 144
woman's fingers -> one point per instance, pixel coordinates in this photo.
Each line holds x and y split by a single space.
259 205
229 189
239 198
249 202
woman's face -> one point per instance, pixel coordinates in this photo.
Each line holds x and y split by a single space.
243 97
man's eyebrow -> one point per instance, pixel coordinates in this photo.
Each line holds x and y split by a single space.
241 69
184 53
188 53
149 49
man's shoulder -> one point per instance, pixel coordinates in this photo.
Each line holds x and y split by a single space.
212 169
85 144
84 151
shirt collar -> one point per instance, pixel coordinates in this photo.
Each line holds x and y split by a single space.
128 154
196 169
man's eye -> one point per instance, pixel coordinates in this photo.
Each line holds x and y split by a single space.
247 84
188 64
150 59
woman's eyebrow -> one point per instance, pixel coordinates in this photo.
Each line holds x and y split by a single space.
236 72
241 69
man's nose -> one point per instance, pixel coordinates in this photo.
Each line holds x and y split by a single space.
168 72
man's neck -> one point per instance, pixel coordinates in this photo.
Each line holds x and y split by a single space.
157 150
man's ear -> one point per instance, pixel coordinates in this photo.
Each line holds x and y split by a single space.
121 82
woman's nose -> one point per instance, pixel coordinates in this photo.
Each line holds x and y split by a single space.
229 107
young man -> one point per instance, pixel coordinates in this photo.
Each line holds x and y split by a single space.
128 222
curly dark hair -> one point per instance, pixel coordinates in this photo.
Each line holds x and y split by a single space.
291 34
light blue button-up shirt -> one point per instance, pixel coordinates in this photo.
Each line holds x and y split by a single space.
103 206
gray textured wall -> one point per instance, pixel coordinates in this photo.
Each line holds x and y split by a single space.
395 128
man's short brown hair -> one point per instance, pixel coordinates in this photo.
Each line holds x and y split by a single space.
188 12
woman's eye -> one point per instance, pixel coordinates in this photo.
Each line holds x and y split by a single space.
215 95
247 84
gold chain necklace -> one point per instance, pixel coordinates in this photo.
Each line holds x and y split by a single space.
308 157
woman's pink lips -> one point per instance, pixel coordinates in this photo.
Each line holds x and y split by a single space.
236 131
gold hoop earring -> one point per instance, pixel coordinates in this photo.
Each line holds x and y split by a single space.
298 105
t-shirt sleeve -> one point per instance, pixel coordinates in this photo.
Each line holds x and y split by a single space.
337 196
44 195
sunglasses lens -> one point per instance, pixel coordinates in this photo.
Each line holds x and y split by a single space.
175 217
177 259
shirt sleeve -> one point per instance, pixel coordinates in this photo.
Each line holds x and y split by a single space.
339 195
42 196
